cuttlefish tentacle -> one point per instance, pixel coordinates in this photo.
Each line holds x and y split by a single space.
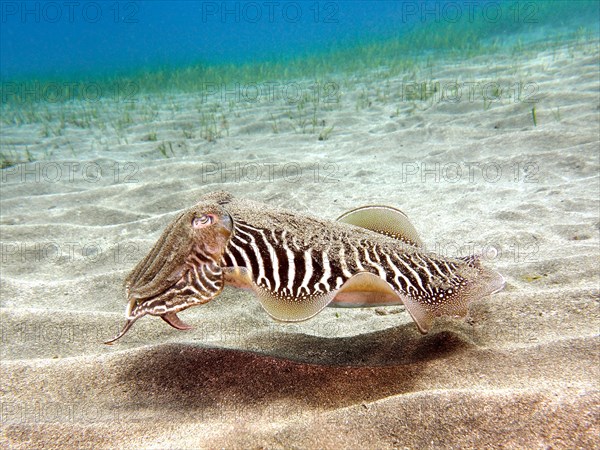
297 265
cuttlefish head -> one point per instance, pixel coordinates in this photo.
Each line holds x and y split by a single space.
182 269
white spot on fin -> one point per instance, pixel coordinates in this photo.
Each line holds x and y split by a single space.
420 315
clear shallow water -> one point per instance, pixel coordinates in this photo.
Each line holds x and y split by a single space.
56 39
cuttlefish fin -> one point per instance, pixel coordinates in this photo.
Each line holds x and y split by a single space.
287 309
421 316
383 220
361 289
480 282
172 319
367 289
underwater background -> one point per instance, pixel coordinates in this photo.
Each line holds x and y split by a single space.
479 119
156 41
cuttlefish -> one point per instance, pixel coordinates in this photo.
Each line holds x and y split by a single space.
297 264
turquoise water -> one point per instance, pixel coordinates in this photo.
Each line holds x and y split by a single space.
362 69
234 53
59 40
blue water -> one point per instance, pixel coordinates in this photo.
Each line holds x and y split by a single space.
54 39
57 39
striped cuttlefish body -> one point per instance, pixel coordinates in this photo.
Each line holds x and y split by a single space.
298 264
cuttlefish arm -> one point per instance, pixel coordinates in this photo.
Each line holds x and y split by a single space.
124 330
171 318
182 269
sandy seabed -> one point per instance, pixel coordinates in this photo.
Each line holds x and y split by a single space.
522 371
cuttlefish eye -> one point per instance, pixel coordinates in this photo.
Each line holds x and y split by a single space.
203 221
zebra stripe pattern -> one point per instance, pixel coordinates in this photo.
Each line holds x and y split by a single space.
202 280
291 271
